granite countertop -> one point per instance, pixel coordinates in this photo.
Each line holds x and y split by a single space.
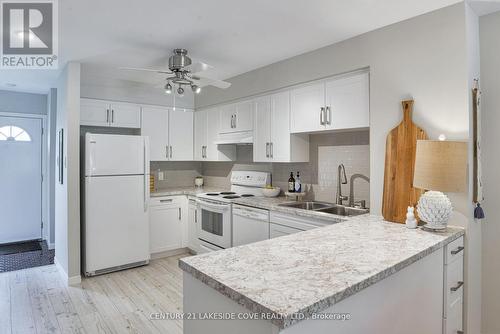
173 191
309 271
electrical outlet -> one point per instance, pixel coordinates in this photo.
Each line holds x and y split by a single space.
161 176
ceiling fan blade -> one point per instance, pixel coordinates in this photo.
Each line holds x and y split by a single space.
198 67
204 81
144 70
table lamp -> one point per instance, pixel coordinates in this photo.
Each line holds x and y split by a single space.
440 166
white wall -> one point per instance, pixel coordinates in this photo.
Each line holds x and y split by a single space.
67 195
423 57
428 57
26 103
490 85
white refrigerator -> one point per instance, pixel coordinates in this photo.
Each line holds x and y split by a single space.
116 192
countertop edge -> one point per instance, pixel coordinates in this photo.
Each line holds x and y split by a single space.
286 320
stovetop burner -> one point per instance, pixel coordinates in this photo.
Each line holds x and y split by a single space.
228 193
231 196
212 194
247 195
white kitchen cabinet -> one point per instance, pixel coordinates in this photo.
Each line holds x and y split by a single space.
307 108
94 112
277 230
206 124
272 138
348 102
180 135
155 126
166 223
453 287
170 133
125 115
335 104
236 117
110 114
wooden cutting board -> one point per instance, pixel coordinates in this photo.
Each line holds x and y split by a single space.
399 166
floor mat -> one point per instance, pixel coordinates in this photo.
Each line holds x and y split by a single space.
20 247
29 259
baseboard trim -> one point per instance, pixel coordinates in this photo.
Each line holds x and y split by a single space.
73 280
160 255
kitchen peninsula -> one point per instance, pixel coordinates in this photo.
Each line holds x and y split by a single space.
372 276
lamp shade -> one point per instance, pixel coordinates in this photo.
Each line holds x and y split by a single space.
441 165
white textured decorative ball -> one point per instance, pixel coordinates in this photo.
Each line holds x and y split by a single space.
435 209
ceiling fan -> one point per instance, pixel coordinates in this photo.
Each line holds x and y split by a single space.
185 73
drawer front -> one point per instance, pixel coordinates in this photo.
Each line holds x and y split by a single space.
454 284
454 321
167 200
455 250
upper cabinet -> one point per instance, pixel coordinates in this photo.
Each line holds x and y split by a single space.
206 131
336 104
236 117
272 138
111 114
170 133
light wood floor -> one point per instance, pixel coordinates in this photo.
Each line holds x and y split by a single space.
36 300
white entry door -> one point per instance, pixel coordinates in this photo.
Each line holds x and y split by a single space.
20 179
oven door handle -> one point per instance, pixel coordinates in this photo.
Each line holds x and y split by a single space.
205 204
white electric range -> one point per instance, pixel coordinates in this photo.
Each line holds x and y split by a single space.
215 208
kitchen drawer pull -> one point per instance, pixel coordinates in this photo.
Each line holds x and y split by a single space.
458 286
458 250
166 200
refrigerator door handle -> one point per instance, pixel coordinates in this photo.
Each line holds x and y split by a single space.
146 174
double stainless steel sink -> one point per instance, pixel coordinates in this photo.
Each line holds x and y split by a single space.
325 207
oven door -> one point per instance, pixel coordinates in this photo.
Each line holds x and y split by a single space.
215 223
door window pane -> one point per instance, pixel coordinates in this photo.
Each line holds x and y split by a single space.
13 133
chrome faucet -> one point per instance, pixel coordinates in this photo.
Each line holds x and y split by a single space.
362 203
341 179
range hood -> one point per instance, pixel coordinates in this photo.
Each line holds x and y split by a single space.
235 138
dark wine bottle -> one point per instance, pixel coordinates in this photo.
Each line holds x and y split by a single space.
291 183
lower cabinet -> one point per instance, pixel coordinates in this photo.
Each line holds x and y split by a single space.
167 224
277 230
453 287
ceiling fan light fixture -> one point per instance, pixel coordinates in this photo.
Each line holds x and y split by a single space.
168 88
196 89
180 91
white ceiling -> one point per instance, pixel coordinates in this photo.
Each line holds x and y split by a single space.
235 36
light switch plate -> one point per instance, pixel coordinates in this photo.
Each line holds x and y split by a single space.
161 176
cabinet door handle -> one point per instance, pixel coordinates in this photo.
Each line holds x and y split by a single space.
166 151
112 115
232 121
272 149
107 115
170 151
328 116
195 216
458 250
456 287
235 121
267 150
180 217
321 116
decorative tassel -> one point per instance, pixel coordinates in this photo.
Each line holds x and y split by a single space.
478 212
